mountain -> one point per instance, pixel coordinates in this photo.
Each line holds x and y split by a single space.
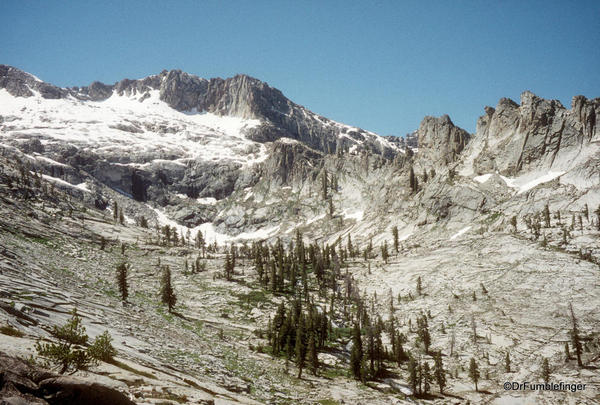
499 228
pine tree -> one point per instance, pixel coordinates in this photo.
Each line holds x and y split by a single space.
300 346
419 287
357 353
575 340
324 186
507 363
545 372
384 251
597 212
167 294
395 236
474 372
115 211
313 358
228 267
438 370
567 354
122 280
426 378
412 374
547 215
423 332
412 180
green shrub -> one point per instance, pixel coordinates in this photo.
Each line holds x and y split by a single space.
102 348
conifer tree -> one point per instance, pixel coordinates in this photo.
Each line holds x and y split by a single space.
115 211
547 215
313 358
395 236
412 180
384 251
474 372
575 340
426 378
438 370
167 294
423 332
412 375
419 286
507 363
357 353
122 281
545 372
300 346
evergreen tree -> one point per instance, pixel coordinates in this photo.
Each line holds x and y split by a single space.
324 186
300 346
419 286
438 370
575 340
567 354
312 353
67 354
474 372
200 242
545 372
547 215
122 280
412 180
412 375
115 211
426 378
228 267
357 353
167 294
597 212
395 236
384 251
423 332
507 363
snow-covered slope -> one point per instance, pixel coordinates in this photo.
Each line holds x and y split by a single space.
135 130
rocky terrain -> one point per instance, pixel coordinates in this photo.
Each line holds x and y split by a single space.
500 227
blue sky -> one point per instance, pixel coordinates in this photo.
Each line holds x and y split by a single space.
380 65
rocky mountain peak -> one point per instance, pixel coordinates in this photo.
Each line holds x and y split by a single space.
440 141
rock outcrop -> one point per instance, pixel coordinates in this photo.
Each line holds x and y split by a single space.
537 134
440 143
22 383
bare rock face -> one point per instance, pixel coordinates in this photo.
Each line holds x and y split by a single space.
440 142
289 163
537 134
21 84
21 383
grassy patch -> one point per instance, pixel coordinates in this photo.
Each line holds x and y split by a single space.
10 331
124 366
253 298
333 372
328 402
493 217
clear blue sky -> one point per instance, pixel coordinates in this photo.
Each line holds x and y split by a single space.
380 65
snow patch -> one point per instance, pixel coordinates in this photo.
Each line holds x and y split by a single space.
526 183
483 178
459 233
207 200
